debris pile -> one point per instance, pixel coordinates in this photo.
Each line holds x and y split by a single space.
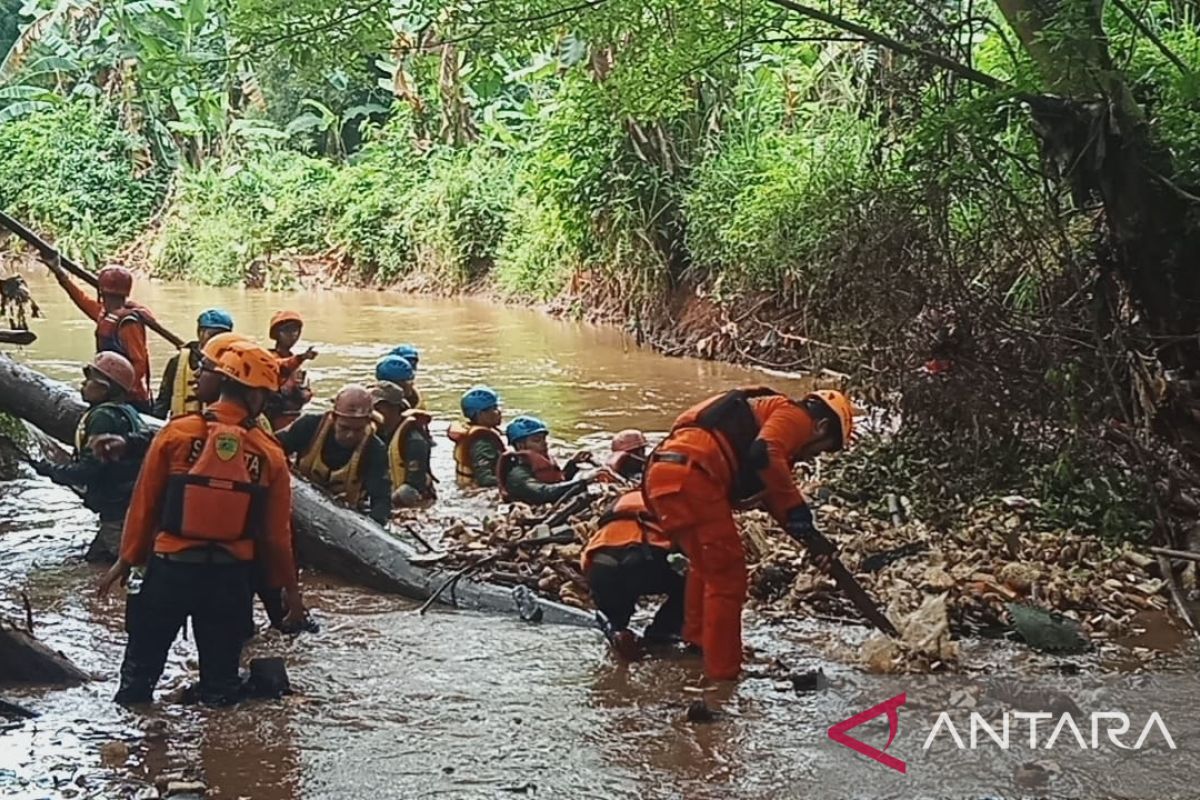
536 548
976 572
935 585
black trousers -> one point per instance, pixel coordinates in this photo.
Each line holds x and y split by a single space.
620 576
271 599
216 597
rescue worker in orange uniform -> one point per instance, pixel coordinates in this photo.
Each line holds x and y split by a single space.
339 452
214 495
477 446
285 406
119 323
405 431
628 460
729 450
528 474
626 559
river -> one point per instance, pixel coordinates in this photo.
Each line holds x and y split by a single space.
454 704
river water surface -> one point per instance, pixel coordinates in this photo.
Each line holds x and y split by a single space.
450 704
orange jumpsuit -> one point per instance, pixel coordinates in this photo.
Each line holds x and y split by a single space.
690 486
130 338
170 453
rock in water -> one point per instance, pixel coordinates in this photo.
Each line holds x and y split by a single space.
698 713
1047 630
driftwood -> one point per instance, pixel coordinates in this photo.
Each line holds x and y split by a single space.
23 659
329 537
17 337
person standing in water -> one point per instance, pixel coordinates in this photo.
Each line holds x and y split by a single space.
120 325
214 495
285 406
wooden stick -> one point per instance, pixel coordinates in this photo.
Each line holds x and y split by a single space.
1186 555
47 251
453 579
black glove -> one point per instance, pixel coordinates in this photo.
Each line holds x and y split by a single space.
43 468
800 524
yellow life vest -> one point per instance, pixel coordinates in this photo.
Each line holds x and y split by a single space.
397 458
345 483
183 391
464 439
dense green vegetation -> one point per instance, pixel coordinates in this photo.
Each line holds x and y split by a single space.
1007 187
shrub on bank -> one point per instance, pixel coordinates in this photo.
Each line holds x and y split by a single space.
77 174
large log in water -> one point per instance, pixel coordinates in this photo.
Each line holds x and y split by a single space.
329 537
23 659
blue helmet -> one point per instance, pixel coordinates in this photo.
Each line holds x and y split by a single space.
477 400
217 319
407 351
394 369
524 427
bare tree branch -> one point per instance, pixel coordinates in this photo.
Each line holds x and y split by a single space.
962 70
1152 36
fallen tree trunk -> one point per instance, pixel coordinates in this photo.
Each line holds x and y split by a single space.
23 659
329 537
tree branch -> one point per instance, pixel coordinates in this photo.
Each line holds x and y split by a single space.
1152 36
937 59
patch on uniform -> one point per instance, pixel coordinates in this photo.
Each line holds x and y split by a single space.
227 446
254 467
194 450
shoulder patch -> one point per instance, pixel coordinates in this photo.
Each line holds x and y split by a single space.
227 445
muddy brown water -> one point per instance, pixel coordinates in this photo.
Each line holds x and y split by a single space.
450 704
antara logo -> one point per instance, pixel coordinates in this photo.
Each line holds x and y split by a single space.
1112 724
839 734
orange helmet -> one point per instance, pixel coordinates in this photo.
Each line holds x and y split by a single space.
250 366
353 402
630 502
115 280
281 317
839 404
114 368
218 344
628 440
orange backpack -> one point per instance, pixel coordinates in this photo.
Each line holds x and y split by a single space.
220 498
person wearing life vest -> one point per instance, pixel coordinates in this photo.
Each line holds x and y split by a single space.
405 431
177 393
294 393
477 445
214 496
339 452
628 455
528 474
625 560
398 370
120 326
409 353
729 450
107 487
113 447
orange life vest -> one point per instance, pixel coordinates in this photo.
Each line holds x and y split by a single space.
544 469
219 499
108 327
464 439
731 420
627 523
